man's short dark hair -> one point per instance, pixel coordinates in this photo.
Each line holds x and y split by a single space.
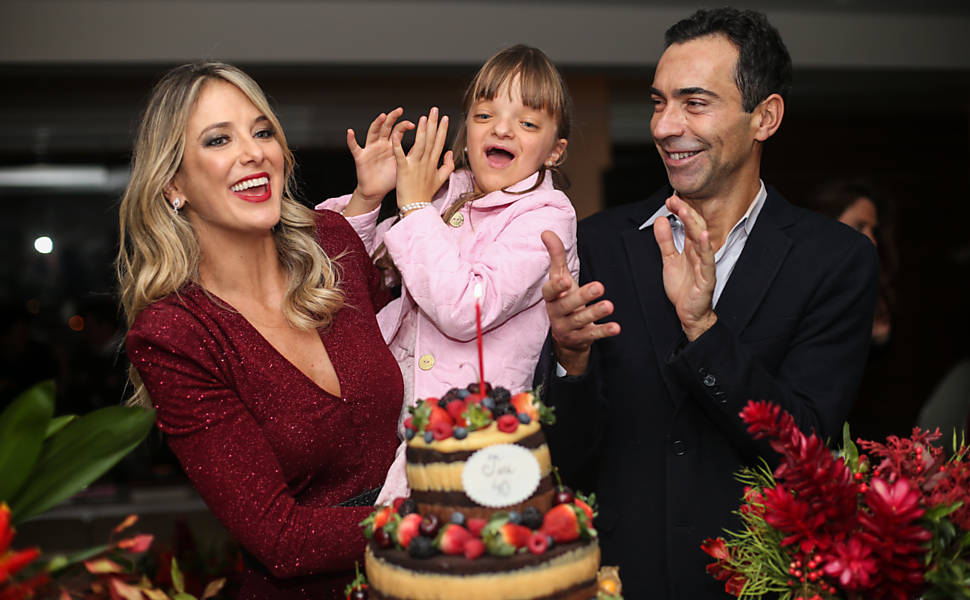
764 65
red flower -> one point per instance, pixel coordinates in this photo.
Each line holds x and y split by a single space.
951 484
896 502
790 515
808 469
898 540
721 569
754 501
853 525
12 561
716 547
852 564
735 584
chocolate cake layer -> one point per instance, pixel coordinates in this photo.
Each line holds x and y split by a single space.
461 499
459 565
585 590
566 571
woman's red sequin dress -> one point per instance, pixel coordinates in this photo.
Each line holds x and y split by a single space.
269 451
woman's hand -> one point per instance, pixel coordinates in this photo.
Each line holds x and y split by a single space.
418 173
376 166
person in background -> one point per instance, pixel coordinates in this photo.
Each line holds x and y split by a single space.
252 331
476 227
855 203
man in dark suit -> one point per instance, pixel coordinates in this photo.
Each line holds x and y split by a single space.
724 293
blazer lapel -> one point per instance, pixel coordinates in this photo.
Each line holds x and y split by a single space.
764 251
647 267
662 324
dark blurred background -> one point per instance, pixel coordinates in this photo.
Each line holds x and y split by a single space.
882 91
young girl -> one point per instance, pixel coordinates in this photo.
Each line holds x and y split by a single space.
474 221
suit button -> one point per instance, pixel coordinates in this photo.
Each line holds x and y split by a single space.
426 362
709 380
680 447
456 220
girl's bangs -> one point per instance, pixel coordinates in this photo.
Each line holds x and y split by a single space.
539 87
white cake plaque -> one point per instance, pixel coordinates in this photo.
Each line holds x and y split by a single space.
501 475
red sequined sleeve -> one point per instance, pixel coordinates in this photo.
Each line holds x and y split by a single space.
335 230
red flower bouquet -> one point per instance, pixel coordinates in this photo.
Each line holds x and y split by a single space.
890 522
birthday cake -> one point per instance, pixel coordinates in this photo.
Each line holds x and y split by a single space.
485 520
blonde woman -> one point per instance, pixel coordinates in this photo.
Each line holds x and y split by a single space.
252 332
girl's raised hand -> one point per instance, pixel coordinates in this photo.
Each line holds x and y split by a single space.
418 173
376 166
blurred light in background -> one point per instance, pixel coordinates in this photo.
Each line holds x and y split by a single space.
44 245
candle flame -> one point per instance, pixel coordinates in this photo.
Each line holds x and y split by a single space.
478 291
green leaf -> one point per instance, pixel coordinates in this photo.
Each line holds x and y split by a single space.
949 531
547 414
941 510
22 428
178 581
477 417
849 449
56 563
58 423
420 415
61 561
78 454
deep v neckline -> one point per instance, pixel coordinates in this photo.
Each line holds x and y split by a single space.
340 380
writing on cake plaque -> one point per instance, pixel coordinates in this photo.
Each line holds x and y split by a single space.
501 475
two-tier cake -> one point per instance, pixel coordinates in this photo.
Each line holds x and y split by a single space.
485 519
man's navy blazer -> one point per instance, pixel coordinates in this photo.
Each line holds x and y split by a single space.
653 426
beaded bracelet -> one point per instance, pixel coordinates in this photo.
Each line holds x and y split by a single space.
413 206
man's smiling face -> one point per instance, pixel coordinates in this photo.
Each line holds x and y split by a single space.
704 137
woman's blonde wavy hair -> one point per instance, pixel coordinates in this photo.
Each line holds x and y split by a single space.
158 250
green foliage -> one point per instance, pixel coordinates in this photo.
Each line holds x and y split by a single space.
369 523
948 570
58 423
948 553
60 562
178 582
849 451
756 550
547 414
44 461
477 417
492 536
420 415
360 581
23 426
590 501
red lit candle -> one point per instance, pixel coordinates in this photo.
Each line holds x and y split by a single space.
478 329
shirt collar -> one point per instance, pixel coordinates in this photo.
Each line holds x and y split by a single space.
748 219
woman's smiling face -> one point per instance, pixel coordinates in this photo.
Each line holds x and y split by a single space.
231 175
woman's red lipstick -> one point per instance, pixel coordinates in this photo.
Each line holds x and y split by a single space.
253 188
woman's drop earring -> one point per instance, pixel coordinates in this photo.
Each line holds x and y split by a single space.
176 205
